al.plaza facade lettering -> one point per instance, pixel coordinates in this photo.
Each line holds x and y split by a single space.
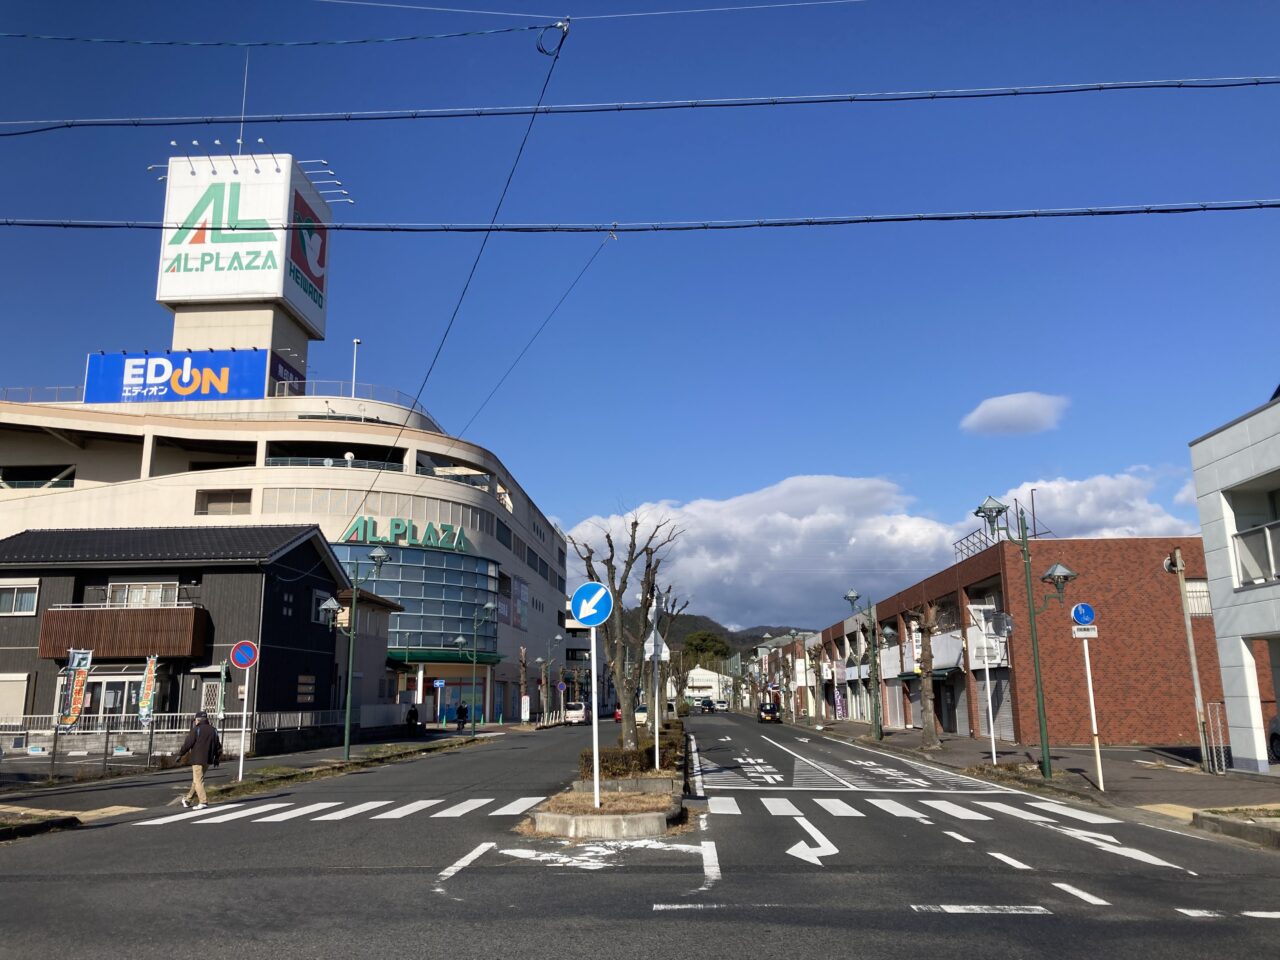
405 533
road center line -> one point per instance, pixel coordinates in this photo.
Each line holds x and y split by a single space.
461 864
1086 897
1005 858
809 762
977 908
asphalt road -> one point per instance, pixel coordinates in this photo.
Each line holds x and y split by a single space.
808 846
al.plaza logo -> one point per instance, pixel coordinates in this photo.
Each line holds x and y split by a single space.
403 531
215 220
308 251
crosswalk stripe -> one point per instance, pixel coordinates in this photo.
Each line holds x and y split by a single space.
1013 811
837 808
781 808
1005 858
896 808
352 811
1086 897
957 811
517 807
408 808
466 806
722 805
248 812
188 815
300 812
1065 811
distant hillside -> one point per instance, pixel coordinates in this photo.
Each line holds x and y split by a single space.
749 636
688 623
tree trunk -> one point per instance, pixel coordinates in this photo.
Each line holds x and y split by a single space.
928 719
524 681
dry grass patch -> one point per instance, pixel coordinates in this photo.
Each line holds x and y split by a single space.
610 803
1265 812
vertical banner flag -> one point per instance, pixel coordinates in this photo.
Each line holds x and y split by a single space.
78 663
147 697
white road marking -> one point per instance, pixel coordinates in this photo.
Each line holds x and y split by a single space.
809 762
710 866
837 808
466 861
1013 811
353 811
956 836
466 806
1201 914
781 807
977 908
957 811
697 766
946 774
1112 845
300 812
1262 914
660 907
517 807
251 811
802 739
558 859
896 808
814 855
722 805
1064 811
188 815
408 808
1005 858
1086 897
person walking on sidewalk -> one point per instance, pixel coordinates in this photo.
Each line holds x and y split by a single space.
204 749
461 715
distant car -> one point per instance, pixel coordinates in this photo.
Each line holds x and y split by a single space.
708 706
769 713
642 714
617 714
722 706
575 712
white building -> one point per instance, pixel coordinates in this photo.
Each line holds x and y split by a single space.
1237 481
224 426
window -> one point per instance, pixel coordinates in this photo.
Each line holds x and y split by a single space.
223 503
286 603
1198 598
504 534
18 598
142 594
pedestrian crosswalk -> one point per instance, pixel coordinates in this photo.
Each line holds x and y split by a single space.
795 806
330 811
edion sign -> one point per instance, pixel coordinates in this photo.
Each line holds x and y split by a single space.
245 229
213 375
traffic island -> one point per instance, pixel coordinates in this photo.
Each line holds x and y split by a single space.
622 815
1260 825
14 828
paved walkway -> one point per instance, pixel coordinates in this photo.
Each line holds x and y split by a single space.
1165 780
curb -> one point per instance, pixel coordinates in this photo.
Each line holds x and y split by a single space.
1263 834
37 827
618 826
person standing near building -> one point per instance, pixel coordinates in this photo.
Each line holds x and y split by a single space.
461 715
203 747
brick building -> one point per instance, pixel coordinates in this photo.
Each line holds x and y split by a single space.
1141 672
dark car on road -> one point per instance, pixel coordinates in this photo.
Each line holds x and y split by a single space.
769 713
708 705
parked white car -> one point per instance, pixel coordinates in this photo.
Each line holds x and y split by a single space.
575 712
722 706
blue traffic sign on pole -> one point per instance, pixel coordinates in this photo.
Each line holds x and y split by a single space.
437 683
1082 613
591 604
244 654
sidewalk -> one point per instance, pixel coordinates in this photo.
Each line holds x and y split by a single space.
1165 780
114 796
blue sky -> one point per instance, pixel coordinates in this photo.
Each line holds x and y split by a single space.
708 369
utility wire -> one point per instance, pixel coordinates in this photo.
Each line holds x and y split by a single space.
685 226
735 9
641 106
414 6
125 41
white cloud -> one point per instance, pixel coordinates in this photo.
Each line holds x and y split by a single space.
1016 413
786 554
1186 496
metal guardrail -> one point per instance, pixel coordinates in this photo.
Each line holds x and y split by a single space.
42 394
334 463
343 388
108 605
481 481
171 722
61 483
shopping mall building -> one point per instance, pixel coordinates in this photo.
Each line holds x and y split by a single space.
224 427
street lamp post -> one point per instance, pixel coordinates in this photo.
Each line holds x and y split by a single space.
379 556
877 729
477 618
1058 576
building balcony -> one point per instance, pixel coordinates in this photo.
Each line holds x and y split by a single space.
1257 554
116 632
334 463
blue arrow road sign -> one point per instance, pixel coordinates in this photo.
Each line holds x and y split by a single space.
1082 613
437 683
591 604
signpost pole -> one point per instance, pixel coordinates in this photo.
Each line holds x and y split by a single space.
244 720
1093 716
595 723
986 678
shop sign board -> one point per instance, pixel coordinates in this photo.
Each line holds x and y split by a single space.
405 532
175 377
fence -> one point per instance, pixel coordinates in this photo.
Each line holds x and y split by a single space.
1216 737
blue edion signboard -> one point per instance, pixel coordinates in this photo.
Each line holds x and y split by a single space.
176 377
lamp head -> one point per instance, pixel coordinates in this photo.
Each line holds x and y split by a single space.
379 556
330 609
991 510
890 635
1059 575
459 641
851 595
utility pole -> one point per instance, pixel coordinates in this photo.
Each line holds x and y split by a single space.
1173 564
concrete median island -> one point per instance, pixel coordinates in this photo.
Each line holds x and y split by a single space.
622 814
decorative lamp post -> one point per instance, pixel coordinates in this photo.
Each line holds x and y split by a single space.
379 556
1057 576
480 616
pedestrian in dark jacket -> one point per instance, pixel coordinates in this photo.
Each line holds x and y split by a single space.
462 715
202 747
411 720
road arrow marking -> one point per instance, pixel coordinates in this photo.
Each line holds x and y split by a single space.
802 739
588 608
1109 843
814 855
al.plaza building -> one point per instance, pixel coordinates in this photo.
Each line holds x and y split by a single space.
224 427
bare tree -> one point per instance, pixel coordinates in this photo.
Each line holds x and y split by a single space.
524 681
641 556
925 619
813 654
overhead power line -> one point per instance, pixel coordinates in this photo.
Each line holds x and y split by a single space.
30 127
685 226
124 41
602 16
